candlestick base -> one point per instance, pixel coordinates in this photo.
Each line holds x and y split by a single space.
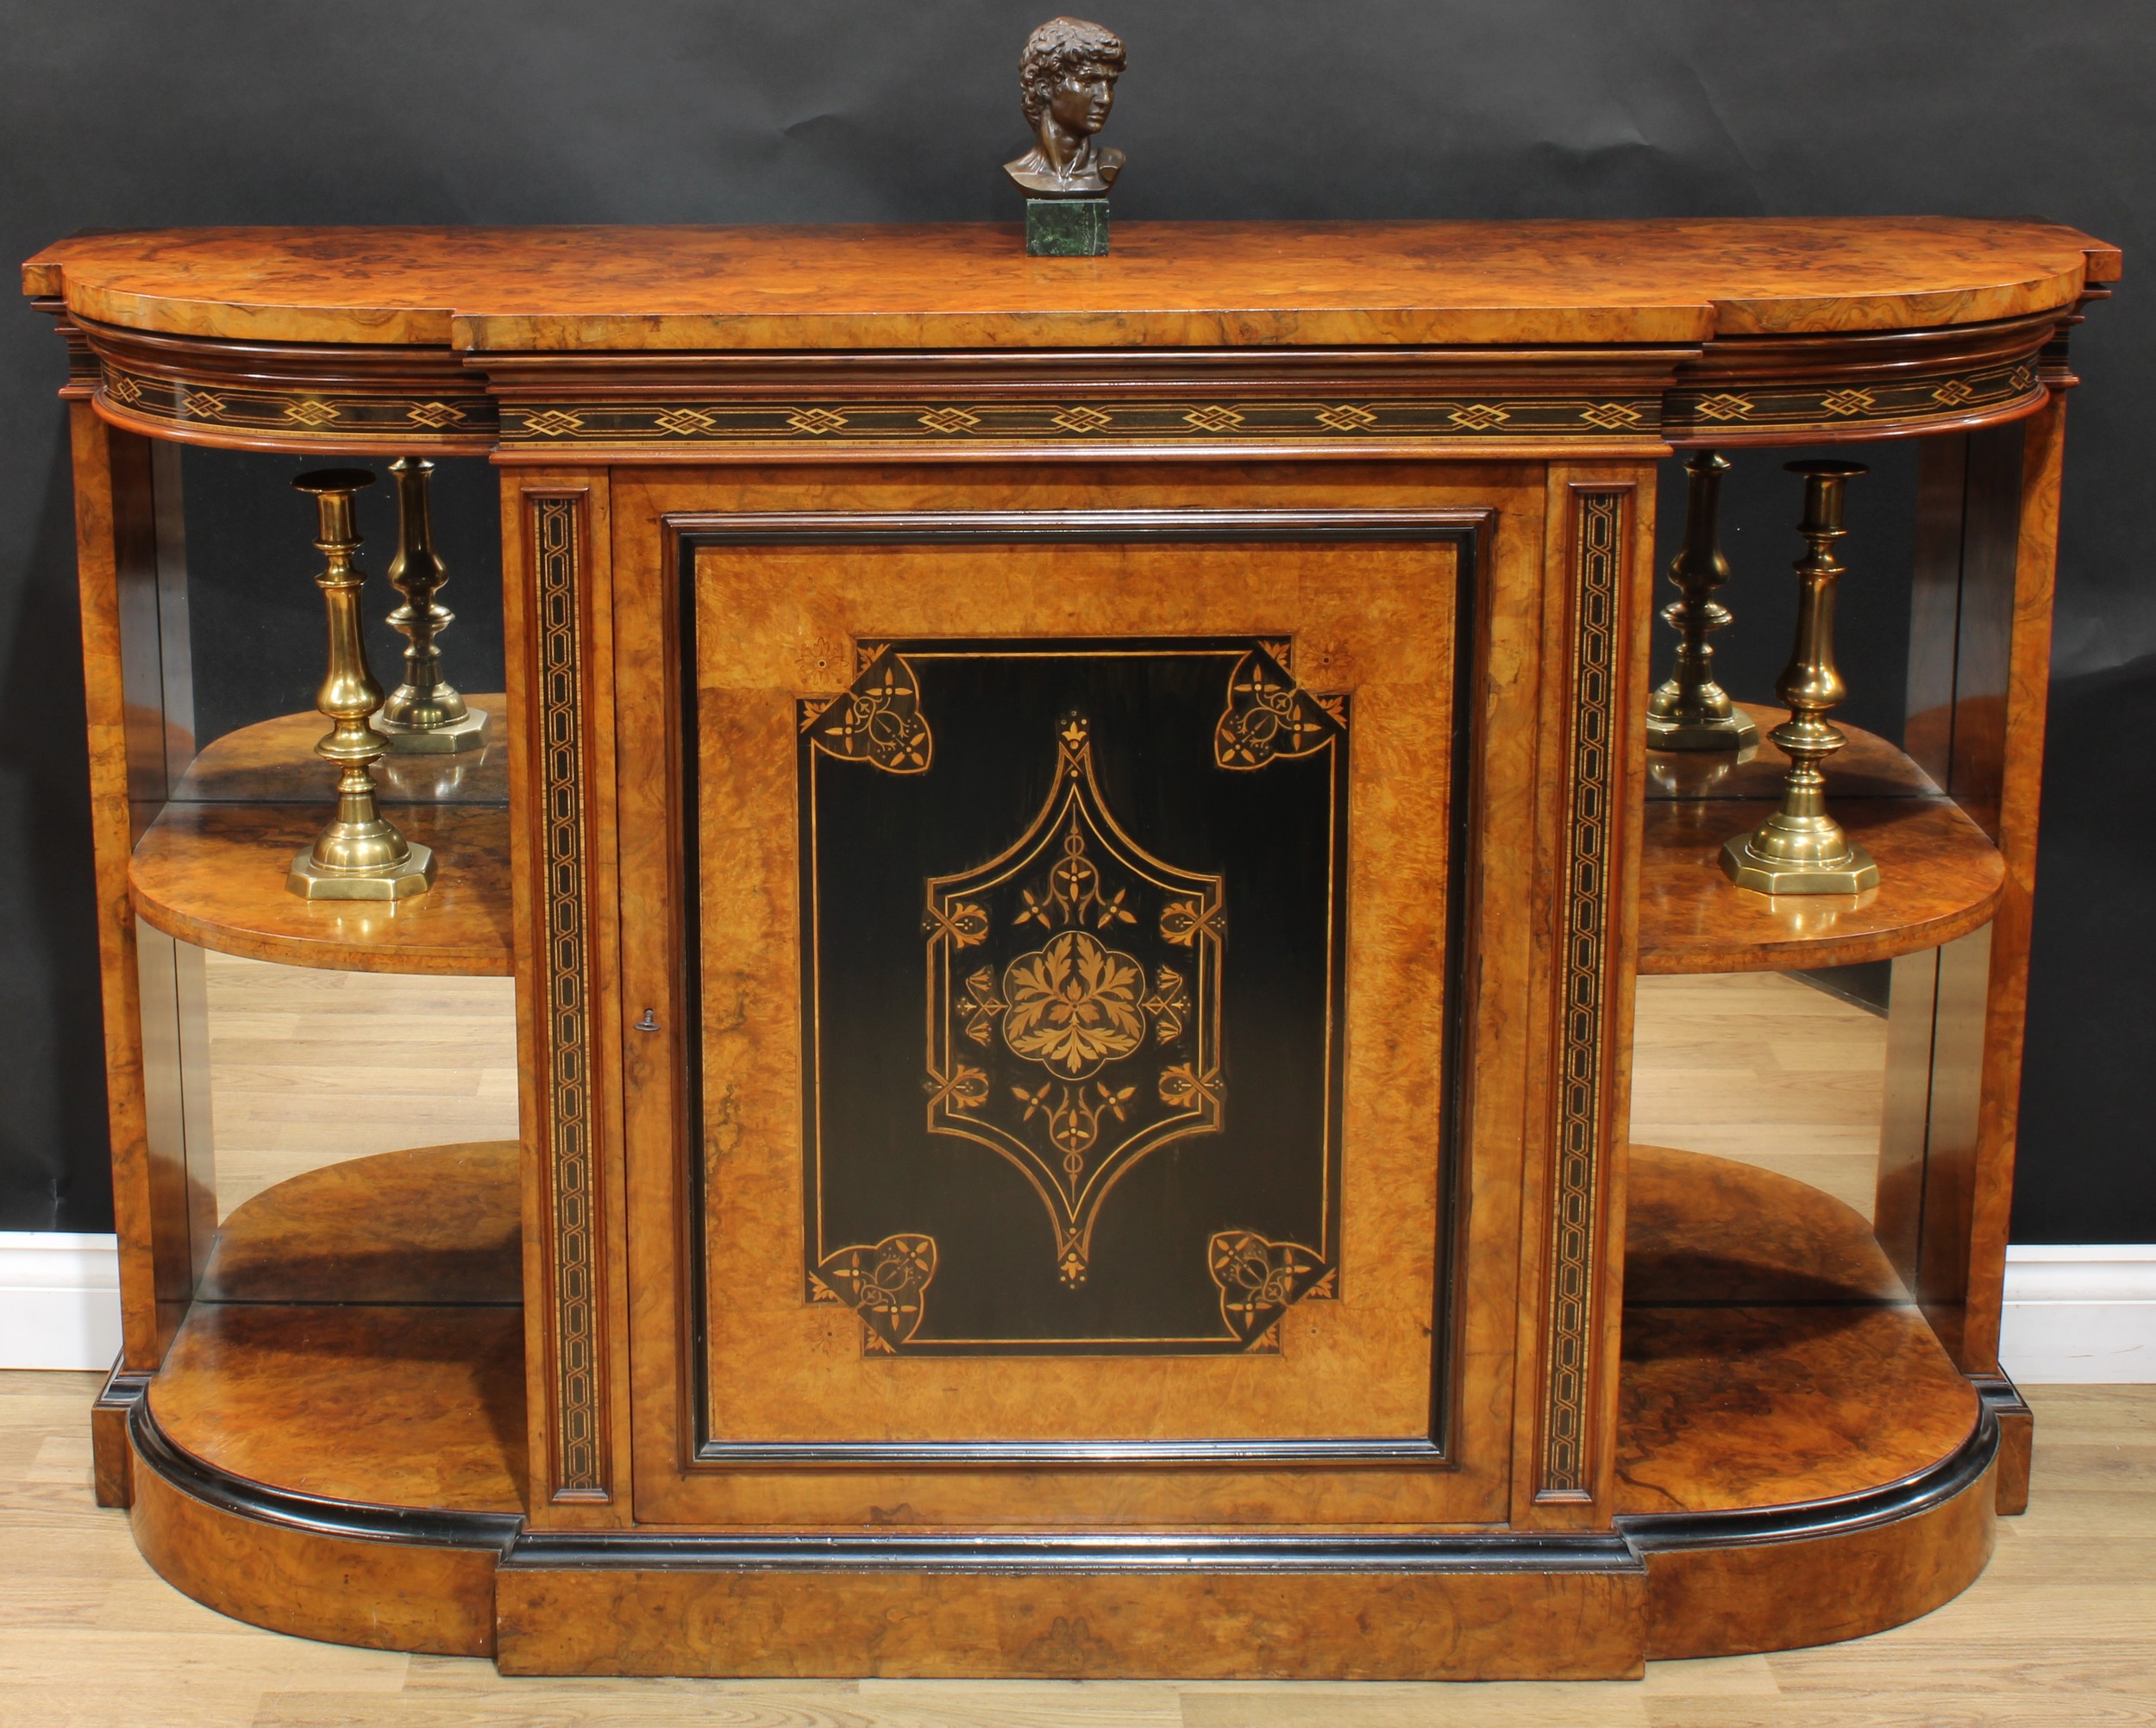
458 737
1735 730
411 875
1766 862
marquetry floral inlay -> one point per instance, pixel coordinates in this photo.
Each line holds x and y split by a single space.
1079 978
1259 1280
885 1282
877 721
1074 1005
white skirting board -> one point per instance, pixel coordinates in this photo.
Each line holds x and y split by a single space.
59 1300
2079 1314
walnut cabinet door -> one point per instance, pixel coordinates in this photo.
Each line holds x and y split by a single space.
1075 950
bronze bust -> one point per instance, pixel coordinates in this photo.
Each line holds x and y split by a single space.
1067 84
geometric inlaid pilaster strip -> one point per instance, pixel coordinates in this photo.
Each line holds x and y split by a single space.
579 1446
1590 826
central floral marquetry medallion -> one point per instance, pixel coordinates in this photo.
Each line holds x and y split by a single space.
1073 1000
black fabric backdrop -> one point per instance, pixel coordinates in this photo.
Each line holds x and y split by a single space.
127 113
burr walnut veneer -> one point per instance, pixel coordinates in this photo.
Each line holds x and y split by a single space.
1074 838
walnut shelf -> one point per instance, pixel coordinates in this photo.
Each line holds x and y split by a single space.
273 762
1721 1254
398 1404
1940 876
210 870
1771 1358
437 1224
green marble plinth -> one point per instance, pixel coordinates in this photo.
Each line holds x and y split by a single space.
1067 227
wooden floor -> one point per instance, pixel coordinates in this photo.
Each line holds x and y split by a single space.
309 1068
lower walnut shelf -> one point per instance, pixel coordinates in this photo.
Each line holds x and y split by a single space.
437 1225
341 1457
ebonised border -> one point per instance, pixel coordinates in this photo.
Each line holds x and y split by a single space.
1635 1539
1626 1550
417 1526
1058 1554
1812 1520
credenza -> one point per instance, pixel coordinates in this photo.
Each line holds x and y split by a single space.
1074 838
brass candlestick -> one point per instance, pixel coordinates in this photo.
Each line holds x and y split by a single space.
357 856
1800 849
1691 712
425 715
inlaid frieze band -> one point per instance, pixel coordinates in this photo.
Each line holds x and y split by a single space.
580 1434
316 418
1733 411
461 414
1077 421
1588 911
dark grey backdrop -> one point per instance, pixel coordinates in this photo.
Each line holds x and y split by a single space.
130 113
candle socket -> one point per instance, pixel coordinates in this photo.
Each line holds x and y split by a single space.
359 856
1691 712
1800 849
425 714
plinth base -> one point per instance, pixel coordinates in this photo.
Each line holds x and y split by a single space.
1067 227
415 875
1747 869
458 738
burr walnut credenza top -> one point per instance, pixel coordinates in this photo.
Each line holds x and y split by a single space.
1586 338
1187 285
